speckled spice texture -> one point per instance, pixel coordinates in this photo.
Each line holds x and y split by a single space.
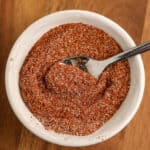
64 98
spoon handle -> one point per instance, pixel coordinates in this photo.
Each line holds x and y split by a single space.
128 53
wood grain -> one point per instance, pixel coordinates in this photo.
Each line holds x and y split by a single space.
16 15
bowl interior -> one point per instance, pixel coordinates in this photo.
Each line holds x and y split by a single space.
21 49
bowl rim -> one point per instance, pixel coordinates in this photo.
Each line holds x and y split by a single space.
141 71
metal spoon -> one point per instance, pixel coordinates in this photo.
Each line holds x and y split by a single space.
96 67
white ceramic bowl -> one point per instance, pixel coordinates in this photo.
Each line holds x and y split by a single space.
21 49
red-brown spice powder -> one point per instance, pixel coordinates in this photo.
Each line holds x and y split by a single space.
64 98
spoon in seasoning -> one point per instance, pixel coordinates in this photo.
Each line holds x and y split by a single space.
96 67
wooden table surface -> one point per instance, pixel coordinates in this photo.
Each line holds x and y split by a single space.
16 15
